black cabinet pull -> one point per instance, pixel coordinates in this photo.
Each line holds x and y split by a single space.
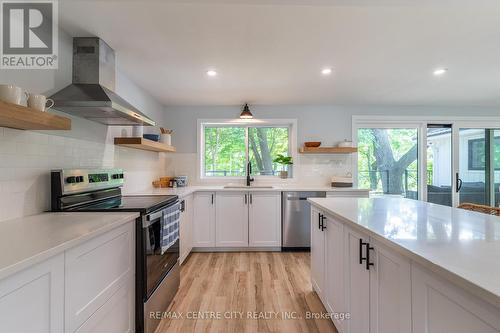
319 220
212 199
323 218
251 198
245 199
368 263
361 258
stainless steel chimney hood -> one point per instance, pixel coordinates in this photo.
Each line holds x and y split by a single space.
91 95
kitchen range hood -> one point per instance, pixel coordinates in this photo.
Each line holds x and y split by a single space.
91 95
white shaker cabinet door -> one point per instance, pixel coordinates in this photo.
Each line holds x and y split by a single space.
439 307
204 219
357 282
186 229
117 315
95 271
335 274
33 299
390 291
190 218
264 219
232 219
317 254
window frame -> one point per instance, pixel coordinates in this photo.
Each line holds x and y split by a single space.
470 159
203 123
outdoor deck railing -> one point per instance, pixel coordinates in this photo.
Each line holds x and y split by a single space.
410 177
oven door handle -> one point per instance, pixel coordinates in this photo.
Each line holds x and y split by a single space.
154 216
151 218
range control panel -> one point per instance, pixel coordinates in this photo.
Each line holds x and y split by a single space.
84 180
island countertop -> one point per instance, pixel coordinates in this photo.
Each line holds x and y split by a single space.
462 246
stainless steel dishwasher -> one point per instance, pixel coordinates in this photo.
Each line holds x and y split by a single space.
296 223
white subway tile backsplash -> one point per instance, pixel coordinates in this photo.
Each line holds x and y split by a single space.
56 140
26 159
307 169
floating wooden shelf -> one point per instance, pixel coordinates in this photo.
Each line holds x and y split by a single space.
328 150
22 117
144 144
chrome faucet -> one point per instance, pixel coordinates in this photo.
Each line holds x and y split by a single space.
249 172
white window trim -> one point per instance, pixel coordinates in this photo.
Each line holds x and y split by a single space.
202 123
421 123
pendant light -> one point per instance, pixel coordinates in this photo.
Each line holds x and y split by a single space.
246 114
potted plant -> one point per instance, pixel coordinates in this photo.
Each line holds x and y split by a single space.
284 161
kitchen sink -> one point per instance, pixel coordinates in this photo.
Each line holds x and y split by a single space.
248 187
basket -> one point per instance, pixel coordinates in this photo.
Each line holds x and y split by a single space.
481 208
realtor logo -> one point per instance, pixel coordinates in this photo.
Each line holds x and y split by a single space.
29 34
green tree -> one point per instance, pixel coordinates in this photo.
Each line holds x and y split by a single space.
387 159
225 150
265 145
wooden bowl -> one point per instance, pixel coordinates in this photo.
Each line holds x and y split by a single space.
312 144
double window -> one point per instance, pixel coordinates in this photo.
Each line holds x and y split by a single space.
226 148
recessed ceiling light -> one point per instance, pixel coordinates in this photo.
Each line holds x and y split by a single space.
211 73
440 71
326 71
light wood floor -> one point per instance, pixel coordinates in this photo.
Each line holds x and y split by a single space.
226 283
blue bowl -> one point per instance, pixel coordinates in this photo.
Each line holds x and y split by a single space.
152 137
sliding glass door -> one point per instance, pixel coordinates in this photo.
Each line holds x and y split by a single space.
479 166
439 164
443 162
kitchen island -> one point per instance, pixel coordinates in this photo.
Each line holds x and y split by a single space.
399 265
60 272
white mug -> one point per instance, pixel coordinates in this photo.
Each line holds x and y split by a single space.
11 94
39 102
166 139
137 131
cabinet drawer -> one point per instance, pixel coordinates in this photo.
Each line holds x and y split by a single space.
95 271
116 315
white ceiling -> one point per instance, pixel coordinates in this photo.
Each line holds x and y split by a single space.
272 52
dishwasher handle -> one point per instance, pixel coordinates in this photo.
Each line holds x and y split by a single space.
295 198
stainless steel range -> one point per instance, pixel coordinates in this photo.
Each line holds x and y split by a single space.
157 232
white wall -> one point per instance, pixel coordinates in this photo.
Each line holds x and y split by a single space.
329 124
26 157
441 150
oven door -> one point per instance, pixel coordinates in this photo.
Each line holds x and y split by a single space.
161 245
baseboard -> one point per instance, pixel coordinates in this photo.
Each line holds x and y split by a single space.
296 249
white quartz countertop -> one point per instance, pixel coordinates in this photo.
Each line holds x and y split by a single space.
460 245
29 240
185 191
